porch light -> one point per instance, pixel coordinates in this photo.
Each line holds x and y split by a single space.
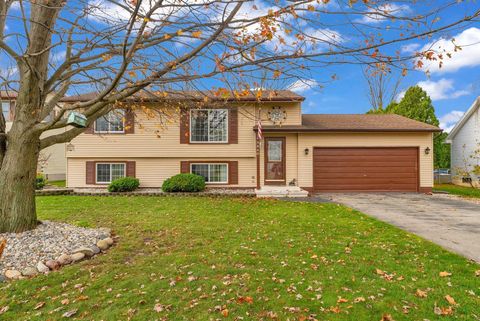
306 151
427 150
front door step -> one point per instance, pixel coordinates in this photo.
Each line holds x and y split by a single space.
281 191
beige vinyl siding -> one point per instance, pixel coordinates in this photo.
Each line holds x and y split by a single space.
151 139
423 140
153 171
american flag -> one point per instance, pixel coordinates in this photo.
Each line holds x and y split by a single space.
259 129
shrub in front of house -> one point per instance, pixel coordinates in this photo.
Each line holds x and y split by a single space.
40 181
124 184
184 183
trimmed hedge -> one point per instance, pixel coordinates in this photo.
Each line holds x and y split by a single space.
40 181
184 183
124 184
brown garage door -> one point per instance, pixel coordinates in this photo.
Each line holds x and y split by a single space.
365 169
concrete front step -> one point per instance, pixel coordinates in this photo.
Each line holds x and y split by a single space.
281 191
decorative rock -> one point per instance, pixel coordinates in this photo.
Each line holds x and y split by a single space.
64 259
109 241
52 265
95 249
12 274
102 245
88 252
42 268
29 271
77 257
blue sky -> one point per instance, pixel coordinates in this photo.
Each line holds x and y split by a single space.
452 88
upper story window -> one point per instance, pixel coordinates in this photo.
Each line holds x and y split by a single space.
113 122
6 110
209 126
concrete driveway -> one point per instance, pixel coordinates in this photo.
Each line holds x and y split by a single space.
448 221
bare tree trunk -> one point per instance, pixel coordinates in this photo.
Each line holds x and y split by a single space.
17 182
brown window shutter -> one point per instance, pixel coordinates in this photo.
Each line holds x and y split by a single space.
233 172
184 167
129 121
90 172
89 129
131 168
184 126
233 125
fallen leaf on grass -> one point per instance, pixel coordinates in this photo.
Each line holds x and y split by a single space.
342 300
39 305
335 309
246 299
65 301
442 310
70 313
387 317
225 312
450 300
160 307
444 274
477 273
421 294
359 299
4 309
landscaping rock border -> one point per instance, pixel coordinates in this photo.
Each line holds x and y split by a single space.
49 247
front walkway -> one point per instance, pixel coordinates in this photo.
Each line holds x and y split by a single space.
451 222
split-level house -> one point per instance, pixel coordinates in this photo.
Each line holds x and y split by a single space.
464 141
216 137
52 162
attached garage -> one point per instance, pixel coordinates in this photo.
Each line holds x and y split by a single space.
361 169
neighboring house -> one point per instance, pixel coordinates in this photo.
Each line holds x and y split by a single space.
218 141
464 140
52 161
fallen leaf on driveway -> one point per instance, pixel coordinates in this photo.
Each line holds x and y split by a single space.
70 313
450 300
444 274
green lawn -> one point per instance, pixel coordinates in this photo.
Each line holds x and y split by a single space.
225 258
57 183
458 190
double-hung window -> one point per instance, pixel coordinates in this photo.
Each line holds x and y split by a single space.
213 173
6 110
108 172
209 126
113 122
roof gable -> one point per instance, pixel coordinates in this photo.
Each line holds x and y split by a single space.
459 125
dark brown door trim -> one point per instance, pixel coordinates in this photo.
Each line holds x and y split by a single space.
282 180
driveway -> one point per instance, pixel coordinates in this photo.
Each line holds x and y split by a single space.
447 221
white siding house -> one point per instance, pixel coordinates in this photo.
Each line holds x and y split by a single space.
465 140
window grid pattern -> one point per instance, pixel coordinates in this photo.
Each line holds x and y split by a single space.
213 173
6 110
113 122
209 125
106 173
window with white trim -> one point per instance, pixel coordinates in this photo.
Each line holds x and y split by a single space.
6 110
113 122
108 172
209 126
213 173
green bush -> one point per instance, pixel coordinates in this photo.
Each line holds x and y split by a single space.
184 183
124 184
40 181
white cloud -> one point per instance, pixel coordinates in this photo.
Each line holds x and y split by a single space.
442 89
377 15
448 121
302 85
469 56
410 48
